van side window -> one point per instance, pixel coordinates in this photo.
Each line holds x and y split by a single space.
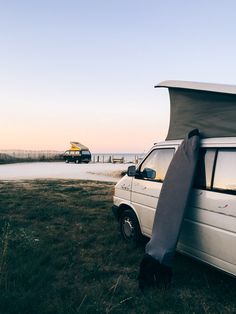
203 177
225 171
157 162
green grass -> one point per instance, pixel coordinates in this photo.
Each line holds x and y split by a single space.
61 252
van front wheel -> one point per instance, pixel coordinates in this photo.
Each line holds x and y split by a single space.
129 227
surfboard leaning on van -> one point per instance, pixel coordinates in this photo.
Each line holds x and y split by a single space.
208 232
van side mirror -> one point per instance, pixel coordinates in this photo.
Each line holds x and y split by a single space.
131 172
149 173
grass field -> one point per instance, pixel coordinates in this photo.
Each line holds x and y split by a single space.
61 252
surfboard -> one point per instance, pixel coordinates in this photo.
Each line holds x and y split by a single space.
156 265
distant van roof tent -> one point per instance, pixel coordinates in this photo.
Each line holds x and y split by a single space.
77 146
209 107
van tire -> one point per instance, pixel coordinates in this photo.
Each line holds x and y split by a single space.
129 227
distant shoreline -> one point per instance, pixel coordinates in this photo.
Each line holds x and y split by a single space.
22 156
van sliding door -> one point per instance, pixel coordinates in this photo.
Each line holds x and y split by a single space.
209 228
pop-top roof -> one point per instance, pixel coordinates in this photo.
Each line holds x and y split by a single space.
77 146
209 107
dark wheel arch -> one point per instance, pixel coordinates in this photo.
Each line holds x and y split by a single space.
129 226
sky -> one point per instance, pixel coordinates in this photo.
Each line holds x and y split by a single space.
85 71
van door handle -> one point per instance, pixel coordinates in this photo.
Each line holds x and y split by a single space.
226 205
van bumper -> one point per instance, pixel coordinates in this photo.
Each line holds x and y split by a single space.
115 210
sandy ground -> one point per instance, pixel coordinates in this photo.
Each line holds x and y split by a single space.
61 170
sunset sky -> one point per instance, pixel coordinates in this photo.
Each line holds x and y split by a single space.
85 70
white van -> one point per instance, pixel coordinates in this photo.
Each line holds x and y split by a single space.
208 232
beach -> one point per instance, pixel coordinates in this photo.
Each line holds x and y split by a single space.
60 170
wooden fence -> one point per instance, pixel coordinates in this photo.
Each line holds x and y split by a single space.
117 158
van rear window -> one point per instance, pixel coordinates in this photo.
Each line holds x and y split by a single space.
216 170
225 171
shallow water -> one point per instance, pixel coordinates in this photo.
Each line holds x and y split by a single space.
61 170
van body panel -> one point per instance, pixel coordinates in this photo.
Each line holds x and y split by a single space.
209 239
206 258
144 197
123 190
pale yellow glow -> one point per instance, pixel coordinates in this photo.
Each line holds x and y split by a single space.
104 127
